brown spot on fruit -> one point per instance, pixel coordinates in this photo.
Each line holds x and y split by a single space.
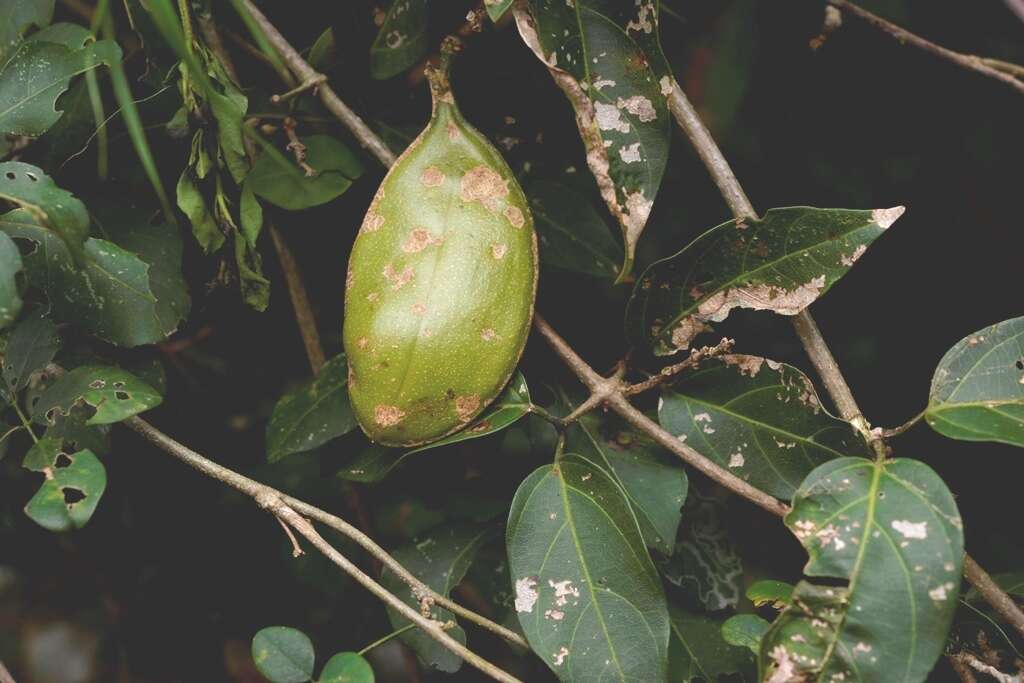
362 342
498 251
466 406
432 176
419 239
372 222
483 184
388 416
419 309
487 334
372 296
515 216
453 131
350 279
397 280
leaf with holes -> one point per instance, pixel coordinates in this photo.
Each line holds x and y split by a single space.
376 462
36 74
778 263
49 206
745 630
17 17
312 414
892 531
10 266
587 595
283 654
113 393
278 180
706 563
759 419
346 667
439 559
698 650
73 485
115 294
32 344
606 59
572 235
978 389
401 40
655 487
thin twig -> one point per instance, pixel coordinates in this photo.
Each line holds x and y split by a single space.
905 37
429 626
297 550
300 301
307 74
254 488
296 147
384 639
474 24
969 660
818 351
611 392
962 669
670 371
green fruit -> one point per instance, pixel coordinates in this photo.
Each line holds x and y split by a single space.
441 284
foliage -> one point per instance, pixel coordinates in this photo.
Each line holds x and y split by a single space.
617 562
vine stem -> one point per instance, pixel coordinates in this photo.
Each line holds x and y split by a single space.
999 70
380 641
810 336
307 74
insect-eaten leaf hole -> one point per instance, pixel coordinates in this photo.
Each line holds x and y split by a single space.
72 495
122 395
63 460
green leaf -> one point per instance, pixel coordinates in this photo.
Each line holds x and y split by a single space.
17 17
32 344
656 489
280 181
439 559
706 563
587 595
115 295
312 414
323 51
10 266
745 630
759 419
376 462
779 263
892 531
572 235
401 40
251 214
778 594
112 392
283 654
346 667
50 206
496 8
606 58
254 285
36 74
72 488
193 205
978 389
697 649
71 36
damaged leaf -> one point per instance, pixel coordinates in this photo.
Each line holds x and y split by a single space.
496 8
781 263
892 531
376 462
977 391
281 182
698 650
572 235
401 40
745 630
32 344
10 266
655 487
71 490
311 414
587 595
439 559
759 419
49 206
606 59
113 393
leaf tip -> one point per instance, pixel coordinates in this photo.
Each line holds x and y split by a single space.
886 217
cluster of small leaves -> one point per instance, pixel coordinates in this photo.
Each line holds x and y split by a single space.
286 655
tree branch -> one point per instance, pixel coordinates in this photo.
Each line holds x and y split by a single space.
809 334
256 490
307 74
5 675
1004 72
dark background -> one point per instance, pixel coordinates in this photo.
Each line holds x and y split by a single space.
174 574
